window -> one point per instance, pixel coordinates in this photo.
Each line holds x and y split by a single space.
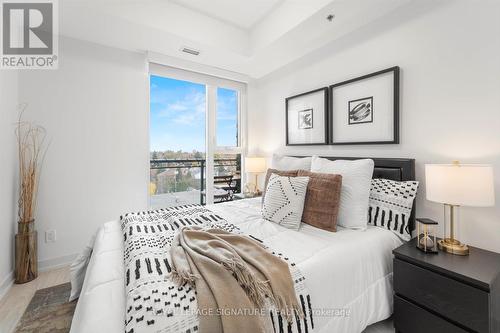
196 142
177 141
227 118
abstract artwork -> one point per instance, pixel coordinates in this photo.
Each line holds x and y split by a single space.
306 119
360 111
353 103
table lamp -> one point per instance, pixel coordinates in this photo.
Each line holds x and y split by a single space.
457 185
255 165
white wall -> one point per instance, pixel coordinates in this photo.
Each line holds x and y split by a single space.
8 172
95 110
450 81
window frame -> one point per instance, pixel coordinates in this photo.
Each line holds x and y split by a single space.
231 149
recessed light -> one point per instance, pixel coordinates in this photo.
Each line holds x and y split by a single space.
330 17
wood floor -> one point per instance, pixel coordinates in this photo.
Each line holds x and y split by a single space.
16 300
14 303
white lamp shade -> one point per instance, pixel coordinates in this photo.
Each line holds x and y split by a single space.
460 184
255 164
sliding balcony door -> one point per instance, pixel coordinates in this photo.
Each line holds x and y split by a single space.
196 137
177 141
227 155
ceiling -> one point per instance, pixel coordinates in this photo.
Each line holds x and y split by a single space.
240 13
251 37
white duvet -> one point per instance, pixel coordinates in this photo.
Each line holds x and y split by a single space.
348 273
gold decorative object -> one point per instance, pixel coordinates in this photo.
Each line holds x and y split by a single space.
31 152
426 235
456 185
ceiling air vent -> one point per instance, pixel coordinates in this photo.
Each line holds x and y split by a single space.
190 51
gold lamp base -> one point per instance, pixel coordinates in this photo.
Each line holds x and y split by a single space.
453 246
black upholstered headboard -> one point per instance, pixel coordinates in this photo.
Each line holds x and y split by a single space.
399 169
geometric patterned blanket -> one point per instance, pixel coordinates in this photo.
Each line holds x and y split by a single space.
154 302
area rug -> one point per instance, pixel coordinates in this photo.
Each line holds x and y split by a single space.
48 311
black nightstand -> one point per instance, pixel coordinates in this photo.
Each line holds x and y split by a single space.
445 292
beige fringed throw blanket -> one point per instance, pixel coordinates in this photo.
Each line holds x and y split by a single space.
232 272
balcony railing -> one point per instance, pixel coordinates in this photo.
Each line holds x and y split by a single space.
189 174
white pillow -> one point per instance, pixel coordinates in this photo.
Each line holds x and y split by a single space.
285 163
355 192
284 200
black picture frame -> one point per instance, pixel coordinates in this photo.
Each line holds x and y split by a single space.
396 132
326 111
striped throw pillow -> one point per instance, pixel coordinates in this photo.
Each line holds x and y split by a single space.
284 200
390 205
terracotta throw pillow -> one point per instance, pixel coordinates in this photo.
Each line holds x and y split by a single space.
288 173
322 201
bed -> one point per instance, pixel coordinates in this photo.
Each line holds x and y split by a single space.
348 273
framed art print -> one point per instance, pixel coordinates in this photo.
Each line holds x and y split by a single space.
365 110
307 118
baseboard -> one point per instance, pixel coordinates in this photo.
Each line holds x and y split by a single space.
43 266
7 282
54 263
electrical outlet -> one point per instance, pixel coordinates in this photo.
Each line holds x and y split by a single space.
50 236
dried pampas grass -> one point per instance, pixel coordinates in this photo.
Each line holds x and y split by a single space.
31 147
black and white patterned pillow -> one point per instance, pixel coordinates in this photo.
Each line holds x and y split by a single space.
284 200
390 205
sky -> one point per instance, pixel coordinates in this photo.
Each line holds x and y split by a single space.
177 120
